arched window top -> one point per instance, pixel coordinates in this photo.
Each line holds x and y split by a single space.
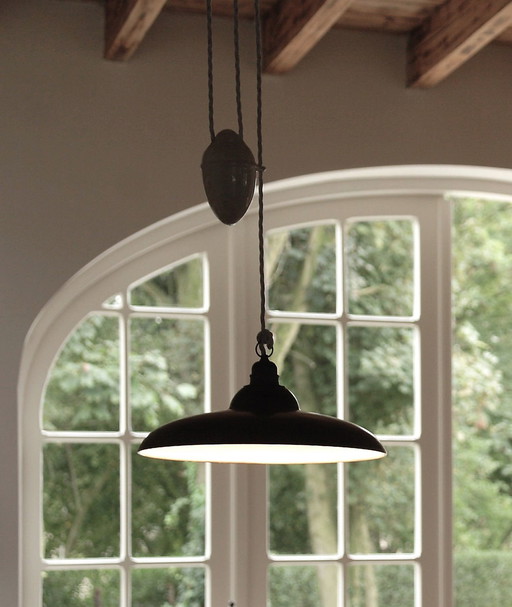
116 265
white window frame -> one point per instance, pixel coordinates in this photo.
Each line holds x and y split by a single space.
239 514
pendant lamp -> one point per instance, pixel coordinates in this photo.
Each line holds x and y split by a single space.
264 423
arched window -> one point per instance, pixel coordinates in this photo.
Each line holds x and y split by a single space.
163 325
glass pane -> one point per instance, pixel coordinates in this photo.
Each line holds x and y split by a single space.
180 587
482 577
179 287
166 370
306 358
380 260
81 588
80 500
381 379
303 586
301 269
116 301
83 387
303 509
168 507
381 585
482 401
381 504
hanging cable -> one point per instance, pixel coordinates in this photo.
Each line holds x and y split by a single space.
210 67
265 339
236 36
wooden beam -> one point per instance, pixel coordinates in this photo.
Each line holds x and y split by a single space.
454 32
126 24
293 27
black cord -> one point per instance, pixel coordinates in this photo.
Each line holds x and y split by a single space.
236 36
261 242
210 67
265 339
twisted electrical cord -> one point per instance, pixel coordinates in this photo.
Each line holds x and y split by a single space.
210 67
265 338
236 36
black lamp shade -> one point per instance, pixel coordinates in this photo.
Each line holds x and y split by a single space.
263 425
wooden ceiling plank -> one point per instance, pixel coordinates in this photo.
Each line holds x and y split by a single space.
292 28
453 33
126 24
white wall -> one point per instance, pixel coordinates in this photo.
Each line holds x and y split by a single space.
91 151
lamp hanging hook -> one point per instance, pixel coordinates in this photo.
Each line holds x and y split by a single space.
264 343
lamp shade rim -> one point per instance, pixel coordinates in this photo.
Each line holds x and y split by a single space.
245 437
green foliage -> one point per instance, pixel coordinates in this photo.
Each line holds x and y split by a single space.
381 504
171 587
81 500
482 373
81 588
391 585
381 380
302 269
179 287
294 585
291 494
309 364
483 578
166 370
380 261
82 393
287 495
168 502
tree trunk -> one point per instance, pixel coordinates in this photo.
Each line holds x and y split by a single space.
322 520
286 333
322 515
364 584
322 529
82 506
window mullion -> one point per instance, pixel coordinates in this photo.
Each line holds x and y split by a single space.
125 456
435 440
249 564
223 335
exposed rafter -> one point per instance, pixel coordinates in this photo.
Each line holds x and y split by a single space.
126 24
443 33
453 33
292 28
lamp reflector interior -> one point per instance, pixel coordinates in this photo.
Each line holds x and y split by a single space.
262 454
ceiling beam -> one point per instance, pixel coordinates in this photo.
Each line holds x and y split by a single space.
126 24
293 27
453 33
